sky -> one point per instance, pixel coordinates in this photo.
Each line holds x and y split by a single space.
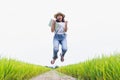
93 29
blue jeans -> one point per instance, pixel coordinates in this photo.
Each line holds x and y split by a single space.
59 39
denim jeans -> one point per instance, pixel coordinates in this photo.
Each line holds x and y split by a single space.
59 39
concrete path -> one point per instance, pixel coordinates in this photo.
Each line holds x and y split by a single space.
53 75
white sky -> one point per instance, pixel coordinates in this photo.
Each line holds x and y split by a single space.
94 29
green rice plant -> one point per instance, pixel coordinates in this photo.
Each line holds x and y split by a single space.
16 70
100 68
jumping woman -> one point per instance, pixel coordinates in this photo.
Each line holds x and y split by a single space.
59 27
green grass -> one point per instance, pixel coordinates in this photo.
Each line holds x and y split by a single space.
16 70
104 68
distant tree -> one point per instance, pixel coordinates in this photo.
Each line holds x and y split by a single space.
56 67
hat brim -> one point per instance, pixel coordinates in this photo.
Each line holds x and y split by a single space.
55 16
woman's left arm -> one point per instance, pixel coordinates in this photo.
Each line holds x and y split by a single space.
66 28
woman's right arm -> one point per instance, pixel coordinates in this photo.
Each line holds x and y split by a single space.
53 26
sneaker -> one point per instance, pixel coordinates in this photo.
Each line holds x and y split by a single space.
53 61
62 58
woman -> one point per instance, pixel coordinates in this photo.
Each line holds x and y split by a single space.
59 27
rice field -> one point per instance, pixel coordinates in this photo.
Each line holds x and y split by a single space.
16 70
100 68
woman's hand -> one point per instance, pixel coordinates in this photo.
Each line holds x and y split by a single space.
53 21
66 22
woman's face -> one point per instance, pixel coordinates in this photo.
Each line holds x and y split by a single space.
59 17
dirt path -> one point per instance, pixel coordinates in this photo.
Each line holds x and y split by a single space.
53 75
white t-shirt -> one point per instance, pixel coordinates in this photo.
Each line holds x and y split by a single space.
59 27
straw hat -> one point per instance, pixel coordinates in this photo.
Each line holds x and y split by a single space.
59 13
